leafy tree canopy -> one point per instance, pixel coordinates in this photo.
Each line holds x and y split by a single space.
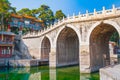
5 10
59 15
24 11
115 37
4 6
46 14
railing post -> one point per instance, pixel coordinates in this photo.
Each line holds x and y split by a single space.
63 18
44 29
79 15
87 13
113 9
54 23
51 26
103 11
68 16
94 12
73 15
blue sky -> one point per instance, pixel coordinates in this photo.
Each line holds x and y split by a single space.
67 6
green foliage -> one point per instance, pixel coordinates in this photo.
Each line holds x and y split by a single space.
34 12
25 30
114 37
14 30
25 11
4 6
59 15
43 13
13 10
46 14
5 11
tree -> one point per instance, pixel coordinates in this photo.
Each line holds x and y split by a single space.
46 14
4 11
59 15
24 11
115 37
27 11
34 12
4 6
13 10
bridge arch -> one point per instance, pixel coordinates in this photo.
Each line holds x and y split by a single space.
99 36
114 24
67 46
45 47
69 26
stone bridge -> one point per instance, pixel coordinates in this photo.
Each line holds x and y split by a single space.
81 39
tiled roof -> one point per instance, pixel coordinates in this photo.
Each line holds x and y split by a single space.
36 20
27 17
16 16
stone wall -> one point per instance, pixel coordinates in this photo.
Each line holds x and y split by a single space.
23 63
21 50
33 45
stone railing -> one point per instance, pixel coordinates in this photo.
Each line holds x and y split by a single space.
80 17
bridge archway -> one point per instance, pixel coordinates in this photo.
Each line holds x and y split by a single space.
67 52
99 44
45 48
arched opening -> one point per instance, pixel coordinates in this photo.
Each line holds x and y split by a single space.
99 45
45 49
67 48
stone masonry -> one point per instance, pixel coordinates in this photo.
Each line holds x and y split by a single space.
81 39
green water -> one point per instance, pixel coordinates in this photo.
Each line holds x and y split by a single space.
44 73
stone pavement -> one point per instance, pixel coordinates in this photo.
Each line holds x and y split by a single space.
110 73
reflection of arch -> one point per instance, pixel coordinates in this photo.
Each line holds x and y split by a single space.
98 37
114 24
45 48
67 45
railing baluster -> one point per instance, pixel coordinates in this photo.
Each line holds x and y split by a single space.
105 12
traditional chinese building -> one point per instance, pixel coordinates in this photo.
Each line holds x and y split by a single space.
25 21
6 44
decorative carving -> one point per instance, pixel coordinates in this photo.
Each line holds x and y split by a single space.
84 53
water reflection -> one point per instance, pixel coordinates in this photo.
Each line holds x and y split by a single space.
35 76
44 73
93 76
52 74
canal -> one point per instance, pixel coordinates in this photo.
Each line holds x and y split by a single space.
44 73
